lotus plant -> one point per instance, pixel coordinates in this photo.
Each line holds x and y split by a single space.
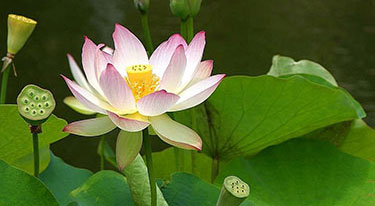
134 91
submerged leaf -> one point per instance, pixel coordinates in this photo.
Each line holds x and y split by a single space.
16 140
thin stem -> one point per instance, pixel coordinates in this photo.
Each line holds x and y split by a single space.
102 159
183 28
148 151
146 30
36 154
190 28
215 168
4 84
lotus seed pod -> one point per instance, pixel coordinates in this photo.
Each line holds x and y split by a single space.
35 104
19 30
233 192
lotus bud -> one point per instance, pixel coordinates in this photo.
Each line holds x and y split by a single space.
142 5
35 104
19 30
195 6
180 8
233 192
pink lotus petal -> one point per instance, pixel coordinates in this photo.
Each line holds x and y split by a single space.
128 146
86 98
108 50
117 90
175 71
156 103
79 77
194 55
175 133
203 71
130 125
197 93
88 63
162 55
128 50
90 127
101 61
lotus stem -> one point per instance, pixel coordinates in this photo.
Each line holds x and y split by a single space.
4 85
102 159
147 34
183 28
34 131
190 28
148 151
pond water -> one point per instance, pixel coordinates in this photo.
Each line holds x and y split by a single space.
242 37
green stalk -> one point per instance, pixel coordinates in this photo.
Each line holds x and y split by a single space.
148 151
102 159
190 28
146 30
4 84
36 154
183 28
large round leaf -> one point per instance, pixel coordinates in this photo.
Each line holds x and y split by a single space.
16 141
305 172
61 178
103 188
248 114
21 189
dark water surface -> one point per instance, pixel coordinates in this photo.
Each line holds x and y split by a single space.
242 37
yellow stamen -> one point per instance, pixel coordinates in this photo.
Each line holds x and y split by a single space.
141 80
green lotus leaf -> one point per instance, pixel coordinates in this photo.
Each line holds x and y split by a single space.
16 141
305 172
21 189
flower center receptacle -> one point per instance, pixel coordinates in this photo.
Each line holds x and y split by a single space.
141 80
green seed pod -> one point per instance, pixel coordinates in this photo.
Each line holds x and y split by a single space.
35 104
19 30
233 192
180 8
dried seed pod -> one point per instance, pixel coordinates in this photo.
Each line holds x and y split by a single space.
35 104
233 192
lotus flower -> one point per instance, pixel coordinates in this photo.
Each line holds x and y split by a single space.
134 91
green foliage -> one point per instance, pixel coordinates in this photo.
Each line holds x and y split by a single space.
16 141
21 189
165 164
284 66
305 172
103 188
248 114
61 178
360 141
186 189
137 176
